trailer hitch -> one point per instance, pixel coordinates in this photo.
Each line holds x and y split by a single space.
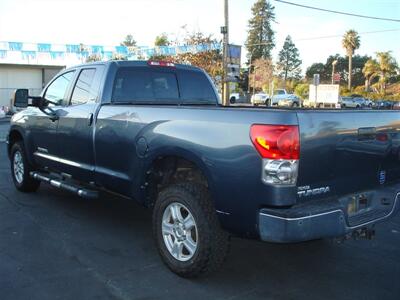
364 233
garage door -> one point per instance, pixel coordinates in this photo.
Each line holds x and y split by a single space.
12 78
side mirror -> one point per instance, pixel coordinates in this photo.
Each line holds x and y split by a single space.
21 97
232 100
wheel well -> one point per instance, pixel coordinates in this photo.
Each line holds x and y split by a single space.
167 170
14 137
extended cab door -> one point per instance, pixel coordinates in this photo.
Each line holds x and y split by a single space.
75 126
43 126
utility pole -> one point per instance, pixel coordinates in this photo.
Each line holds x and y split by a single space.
225 31
333 70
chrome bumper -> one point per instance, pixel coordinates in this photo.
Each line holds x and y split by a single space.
313 222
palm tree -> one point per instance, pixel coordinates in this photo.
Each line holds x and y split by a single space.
370 71
350 42
387 67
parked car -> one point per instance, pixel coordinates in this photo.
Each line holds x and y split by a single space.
155 132
279 94
237 98
369 103
259 99
349 102
396 105
384 104
290 101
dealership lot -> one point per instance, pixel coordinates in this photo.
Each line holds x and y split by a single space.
54 245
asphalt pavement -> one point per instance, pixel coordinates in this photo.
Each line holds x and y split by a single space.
54 245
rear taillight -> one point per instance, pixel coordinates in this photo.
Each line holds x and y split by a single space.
161 63
276 141
279 146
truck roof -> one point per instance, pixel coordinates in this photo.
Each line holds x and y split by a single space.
136 63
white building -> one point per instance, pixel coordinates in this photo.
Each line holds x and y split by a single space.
32 77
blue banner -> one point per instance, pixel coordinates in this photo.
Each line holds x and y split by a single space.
121 49
97 49
28 55
72 48
15 46
82 51
44 47
56 54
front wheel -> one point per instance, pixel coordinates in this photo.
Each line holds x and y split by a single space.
186 229
20 169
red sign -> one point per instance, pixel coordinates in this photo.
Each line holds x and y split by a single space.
336 77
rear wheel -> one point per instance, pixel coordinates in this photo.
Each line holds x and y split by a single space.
186 229
295 104
20 169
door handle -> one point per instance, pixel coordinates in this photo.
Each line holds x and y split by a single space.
90 119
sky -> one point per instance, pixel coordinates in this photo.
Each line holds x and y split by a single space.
107 22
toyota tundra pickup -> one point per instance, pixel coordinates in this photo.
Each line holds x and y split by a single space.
155 132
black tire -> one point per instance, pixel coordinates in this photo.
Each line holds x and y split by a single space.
26 183
212 241
295 104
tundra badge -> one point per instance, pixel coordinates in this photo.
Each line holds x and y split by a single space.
306 191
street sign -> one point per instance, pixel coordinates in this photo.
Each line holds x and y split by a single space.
316 79
233 72
336 77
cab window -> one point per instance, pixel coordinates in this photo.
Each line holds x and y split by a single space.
84 90
57 90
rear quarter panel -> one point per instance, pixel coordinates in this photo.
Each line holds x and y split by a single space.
216 139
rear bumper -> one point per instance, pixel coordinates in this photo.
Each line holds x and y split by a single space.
322 219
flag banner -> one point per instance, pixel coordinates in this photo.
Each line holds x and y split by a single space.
14 46
43 47
72 48
121 49
56 54
96 49
78 53
26 55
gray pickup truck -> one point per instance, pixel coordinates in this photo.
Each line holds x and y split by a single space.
155 132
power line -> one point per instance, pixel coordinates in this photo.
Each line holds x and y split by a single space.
334 36
338 12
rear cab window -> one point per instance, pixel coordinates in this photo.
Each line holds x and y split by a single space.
148 85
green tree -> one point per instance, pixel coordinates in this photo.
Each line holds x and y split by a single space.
325 70
316 68
93 57
289 61
387 68
128 41
370 71
302 90
260 38
350 42
210 60
262 75
162 40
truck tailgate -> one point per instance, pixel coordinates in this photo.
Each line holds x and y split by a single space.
343 152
